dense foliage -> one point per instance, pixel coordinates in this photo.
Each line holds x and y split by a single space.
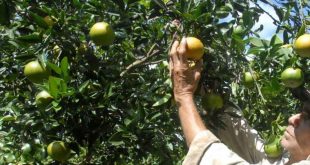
113 104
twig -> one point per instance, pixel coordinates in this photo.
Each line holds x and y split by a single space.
154 62
153 52
275 20
150 54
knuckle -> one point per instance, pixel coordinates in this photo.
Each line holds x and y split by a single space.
177 70
172 52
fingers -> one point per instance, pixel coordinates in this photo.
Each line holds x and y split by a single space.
173 56
182 50
198 68
173 52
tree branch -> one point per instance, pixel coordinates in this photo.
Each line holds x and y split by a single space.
149 55
275 20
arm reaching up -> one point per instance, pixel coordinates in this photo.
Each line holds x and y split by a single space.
185 81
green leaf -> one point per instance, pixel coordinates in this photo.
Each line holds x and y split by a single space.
116 139
83 86
53 86
162 100
63 87
10 158
77 3
31 38
57 86
275 40
109 92
65 68
272 89
156 116
256 42
127 121
8 118
14 44
160 3
38 20
302 30
248 19
54 67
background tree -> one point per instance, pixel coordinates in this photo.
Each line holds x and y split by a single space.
112 104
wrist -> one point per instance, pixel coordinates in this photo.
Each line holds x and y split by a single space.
184 99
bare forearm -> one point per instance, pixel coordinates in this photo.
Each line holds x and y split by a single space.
190 119
185 82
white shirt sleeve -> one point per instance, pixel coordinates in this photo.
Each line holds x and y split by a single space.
219 154
245 141
237 144
241 138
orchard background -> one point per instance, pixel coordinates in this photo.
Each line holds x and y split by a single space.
113 104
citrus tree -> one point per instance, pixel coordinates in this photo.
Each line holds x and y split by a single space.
87 81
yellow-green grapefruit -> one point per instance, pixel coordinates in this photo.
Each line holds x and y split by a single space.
59 151
212 101
273 148
43 98
292 77
49 21
249 78
302 45
35 72
102 33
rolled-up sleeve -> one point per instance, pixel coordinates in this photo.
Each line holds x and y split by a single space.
207 149
236 144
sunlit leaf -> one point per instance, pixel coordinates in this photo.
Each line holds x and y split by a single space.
162 100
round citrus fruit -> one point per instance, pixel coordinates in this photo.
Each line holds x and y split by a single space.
26 149
302 45
43 98
273 148
238 30
35 72
292 78
250 78
194 49
49 21
59 151
102 33
56 50
212 101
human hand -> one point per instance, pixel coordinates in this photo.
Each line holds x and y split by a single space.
185 77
